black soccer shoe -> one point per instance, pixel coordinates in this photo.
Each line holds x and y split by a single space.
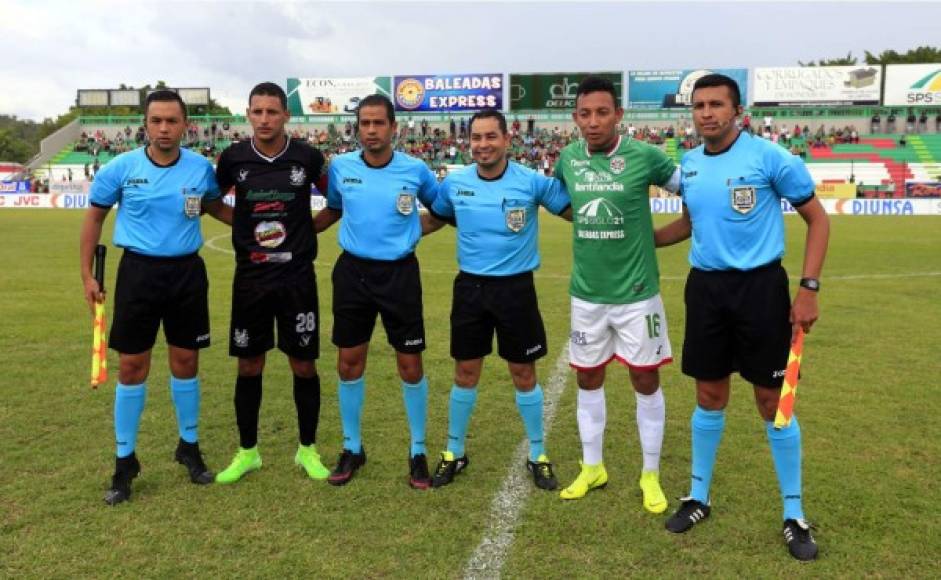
690 513
347 465
800 542
448 467
125 470
542 473
418 476
188 455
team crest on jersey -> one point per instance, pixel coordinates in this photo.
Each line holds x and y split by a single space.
617 165
744 198
243 174
405 203
191 202
515 219
297 175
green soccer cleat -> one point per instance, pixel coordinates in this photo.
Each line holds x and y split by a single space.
308 459
654 500
244 461
591 477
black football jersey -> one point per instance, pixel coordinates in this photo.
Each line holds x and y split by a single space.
272 228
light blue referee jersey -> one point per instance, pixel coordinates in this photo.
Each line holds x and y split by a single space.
498 219
734 202
380 213
158 211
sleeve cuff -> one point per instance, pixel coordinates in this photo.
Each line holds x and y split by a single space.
439 217
804 201
562 211
100 205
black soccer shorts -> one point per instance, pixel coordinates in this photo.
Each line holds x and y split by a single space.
290 302
392 289
738 321
149 290
506 305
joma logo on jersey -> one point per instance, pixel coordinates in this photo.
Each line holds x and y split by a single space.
135 181
352 180
465 192
579 162
688 174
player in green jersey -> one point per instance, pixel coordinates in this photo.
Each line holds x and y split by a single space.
617 312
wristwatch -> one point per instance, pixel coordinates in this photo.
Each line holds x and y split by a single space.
811 284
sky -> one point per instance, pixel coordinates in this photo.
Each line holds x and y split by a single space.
53 48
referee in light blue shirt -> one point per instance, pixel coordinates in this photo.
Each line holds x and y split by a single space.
494 204
161 190
376 192
739 315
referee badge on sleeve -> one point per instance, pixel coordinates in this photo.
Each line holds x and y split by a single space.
192 202
405 203
515 218
744 198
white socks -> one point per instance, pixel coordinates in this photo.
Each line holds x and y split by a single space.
592 417
651 416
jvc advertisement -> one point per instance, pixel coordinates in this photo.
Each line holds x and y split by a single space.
444 93
332 96
553 91
668 89
817 85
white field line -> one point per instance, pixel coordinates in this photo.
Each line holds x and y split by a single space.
507 506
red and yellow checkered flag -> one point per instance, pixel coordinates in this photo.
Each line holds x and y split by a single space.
99 348
789 389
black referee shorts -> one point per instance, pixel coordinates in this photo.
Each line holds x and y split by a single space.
392 289
149 290
738 321
290 302
505 304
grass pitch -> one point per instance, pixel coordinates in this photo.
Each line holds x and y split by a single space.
868 404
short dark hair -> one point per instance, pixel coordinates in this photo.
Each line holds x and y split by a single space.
164 96
377 100
717 80
490 114
269 89
596 84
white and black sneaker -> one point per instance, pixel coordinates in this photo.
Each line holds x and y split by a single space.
800 542
691 512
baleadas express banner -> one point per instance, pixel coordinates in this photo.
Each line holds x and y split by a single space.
553 91
444 93
332 95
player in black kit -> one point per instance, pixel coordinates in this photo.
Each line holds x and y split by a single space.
275 246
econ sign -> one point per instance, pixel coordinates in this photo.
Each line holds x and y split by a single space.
332 96
554 91
667 89
913 84
445 93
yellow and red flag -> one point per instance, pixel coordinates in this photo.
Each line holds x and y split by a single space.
99 348
789 389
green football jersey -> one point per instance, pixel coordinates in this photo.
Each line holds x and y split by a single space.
614 256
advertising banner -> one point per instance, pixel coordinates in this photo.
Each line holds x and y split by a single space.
912 84
668 89
836 190
553 91
14 186
444 93
333 96
923 189
817 85
885 207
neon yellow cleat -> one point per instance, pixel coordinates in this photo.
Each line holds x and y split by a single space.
591 477
654 500
244 461
309 460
